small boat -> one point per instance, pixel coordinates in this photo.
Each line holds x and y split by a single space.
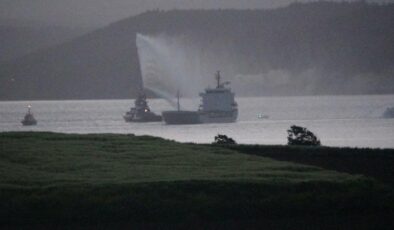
262 116
29 118
389 113
141 112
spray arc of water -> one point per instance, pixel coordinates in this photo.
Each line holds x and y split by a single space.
164 95
167 66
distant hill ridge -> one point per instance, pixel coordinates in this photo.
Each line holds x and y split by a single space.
318 48
19 38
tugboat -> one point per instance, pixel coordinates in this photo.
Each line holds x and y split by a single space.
389 113
29 118
141 112
218 106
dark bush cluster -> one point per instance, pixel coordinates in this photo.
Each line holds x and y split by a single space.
298 135
224 140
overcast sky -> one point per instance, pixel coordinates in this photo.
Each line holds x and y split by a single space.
100 12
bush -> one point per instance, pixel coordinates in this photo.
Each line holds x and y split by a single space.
224 140
298 135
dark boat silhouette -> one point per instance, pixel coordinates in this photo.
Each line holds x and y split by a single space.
389 113
141 111
29 118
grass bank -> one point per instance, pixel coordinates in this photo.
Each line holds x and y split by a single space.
68 179
376 163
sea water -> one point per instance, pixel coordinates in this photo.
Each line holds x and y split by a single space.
354 121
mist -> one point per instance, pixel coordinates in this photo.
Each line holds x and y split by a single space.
171 63
184 63
176 63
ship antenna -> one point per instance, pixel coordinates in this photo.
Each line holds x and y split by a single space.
218 79
177 97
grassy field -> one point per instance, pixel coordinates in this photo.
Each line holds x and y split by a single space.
376 163
83 180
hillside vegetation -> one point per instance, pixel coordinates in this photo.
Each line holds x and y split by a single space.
49 179
19 40
303 49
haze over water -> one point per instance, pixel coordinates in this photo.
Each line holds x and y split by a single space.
353 121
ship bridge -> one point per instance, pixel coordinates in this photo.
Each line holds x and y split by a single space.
219 98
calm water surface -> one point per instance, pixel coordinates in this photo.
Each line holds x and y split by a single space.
336 120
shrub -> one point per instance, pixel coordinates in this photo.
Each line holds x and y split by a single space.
224 140
298 135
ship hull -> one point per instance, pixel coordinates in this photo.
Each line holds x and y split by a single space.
219 116
29 122
29 119
146 117
198 117
181 117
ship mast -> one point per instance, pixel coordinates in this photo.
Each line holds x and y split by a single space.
217 76
177 97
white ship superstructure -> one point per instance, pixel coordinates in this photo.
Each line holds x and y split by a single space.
218 105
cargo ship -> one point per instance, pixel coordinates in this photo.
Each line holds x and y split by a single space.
217 106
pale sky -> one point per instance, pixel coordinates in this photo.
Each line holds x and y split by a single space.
101 12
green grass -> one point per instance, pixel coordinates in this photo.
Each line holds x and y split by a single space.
51 178
44 160
376 163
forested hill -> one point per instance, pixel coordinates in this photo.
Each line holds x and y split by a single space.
302 49
17 41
